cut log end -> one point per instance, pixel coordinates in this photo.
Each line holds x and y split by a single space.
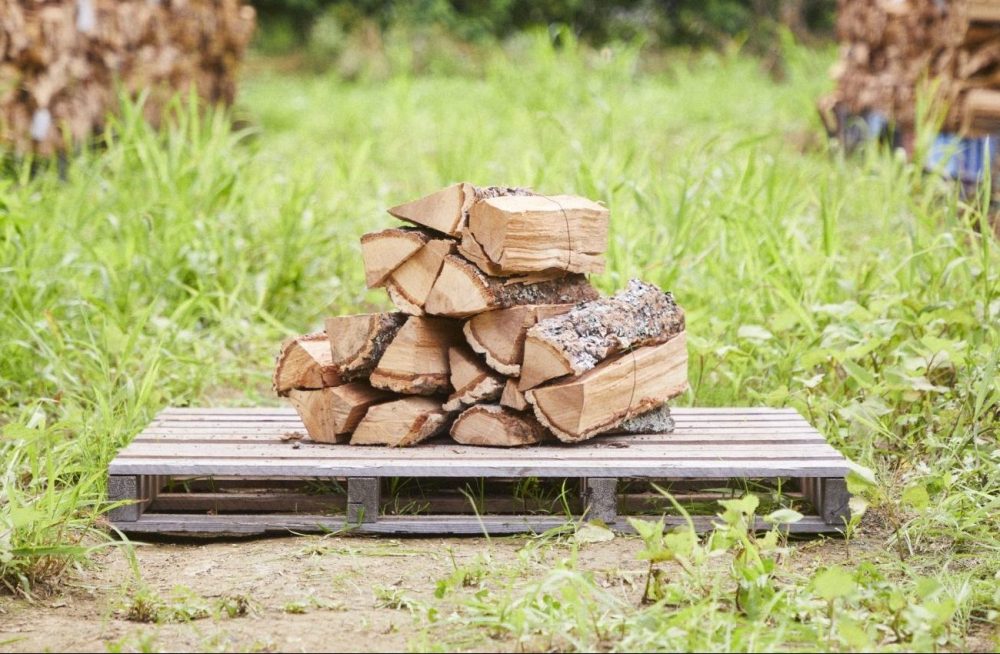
401 423
357 343
496 426
416 361
385 251
331 414
305 362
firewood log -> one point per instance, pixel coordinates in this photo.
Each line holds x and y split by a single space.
416 361
305 362
472 380
499 335
331 414
382 252
401 423
601 399
576 341
497 426
358 342
410 284
522 234
447 210
512 397
462 290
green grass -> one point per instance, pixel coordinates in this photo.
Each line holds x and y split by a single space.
165 267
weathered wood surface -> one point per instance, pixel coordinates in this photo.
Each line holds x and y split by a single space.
713 443
165 523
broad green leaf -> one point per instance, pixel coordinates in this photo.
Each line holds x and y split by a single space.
833 582
859 374
916 496
783 517
746 504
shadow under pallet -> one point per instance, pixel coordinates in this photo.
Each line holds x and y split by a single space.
253 471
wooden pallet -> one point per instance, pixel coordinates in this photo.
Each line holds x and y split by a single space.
248 471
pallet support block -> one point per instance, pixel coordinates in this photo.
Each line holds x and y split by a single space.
363 499
138 490
830 497
600 500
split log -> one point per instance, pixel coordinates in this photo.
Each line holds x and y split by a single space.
416 361
472 380
532 233
601 399
447 210
400 423
576 341
410 284
462 290
499 335
512 397
358 342
331 414
383 252
305 362
493 425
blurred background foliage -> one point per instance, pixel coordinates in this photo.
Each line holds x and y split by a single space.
330 33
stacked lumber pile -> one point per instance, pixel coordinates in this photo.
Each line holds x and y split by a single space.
61 61
497 338
893 50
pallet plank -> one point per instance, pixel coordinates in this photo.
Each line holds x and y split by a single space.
416 525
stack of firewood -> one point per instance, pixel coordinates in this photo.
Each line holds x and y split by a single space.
894 50
63 62
498 338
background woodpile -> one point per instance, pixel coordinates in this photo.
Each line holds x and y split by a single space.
890 49
498 338
60 61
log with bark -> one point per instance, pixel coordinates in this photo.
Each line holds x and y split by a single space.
576 341
521 234
447 210
462 290
472 380
603 398
416 360
499 335
400 423
357 342
331 414
305 362
497 426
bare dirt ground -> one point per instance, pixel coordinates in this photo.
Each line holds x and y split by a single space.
306 593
